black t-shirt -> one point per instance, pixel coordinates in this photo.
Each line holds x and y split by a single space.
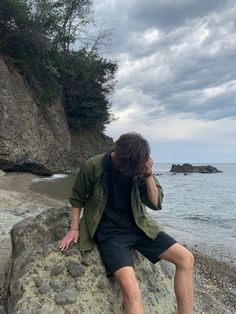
118 211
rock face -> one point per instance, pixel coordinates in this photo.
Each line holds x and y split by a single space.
45 280
189 168
2 173
35 137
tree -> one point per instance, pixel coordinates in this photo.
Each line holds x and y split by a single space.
37 36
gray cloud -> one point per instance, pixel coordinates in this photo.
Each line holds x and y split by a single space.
172 13
175 56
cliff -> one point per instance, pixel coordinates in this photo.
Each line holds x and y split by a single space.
45 280
35 137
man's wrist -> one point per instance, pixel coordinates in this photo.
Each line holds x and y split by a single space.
148 174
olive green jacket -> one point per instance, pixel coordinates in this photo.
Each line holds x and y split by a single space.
90 193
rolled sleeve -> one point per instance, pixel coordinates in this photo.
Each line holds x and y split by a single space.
80 189
144 195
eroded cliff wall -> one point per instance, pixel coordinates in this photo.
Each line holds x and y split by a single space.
35 137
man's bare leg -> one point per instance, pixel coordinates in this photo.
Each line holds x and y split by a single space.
130 290
184 261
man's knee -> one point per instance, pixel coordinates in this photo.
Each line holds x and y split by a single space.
180 256
128 284
188 260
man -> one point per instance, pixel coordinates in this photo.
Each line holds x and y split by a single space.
113 189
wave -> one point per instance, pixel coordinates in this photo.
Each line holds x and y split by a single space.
53 177
221 222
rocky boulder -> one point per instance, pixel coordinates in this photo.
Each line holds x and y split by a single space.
44 280
185 168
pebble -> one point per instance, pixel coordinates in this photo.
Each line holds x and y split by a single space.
57 270
55 284
75 269
66 297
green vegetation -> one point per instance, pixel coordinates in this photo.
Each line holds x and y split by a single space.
37 37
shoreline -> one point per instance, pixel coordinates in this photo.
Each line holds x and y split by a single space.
214 280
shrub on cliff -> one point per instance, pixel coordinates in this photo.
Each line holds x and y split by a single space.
37 37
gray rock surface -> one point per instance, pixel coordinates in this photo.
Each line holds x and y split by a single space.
188 168
2 173
35 137
45 280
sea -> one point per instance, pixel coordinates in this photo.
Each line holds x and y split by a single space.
199 210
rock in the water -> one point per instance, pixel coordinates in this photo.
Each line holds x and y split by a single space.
186 168
55 282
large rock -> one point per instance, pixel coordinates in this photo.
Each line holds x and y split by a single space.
185 168
35 137
45 280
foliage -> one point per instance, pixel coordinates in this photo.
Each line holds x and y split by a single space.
86 80
37 36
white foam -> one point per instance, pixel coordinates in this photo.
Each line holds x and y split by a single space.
53 177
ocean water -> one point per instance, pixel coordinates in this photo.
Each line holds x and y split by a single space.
200 209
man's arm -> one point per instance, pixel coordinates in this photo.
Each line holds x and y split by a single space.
77 199
73 233
75 217
152 190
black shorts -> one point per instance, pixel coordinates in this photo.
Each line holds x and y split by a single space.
116 247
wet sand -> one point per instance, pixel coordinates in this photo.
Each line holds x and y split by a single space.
215 281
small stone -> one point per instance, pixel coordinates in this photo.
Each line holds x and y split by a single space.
101 284
57 270
55 284
96 271
75 269
78 286
43 289
49 248
66 297
38 282
41 285
37 311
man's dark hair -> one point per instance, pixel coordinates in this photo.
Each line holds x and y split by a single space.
131 153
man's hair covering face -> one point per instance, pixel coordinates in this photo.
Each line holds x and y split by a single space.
131 153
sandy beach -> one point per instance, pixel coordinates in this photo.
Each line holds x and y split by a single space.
215 281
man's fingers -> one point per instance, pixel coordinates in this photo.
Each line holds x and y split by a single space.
62 244
67 245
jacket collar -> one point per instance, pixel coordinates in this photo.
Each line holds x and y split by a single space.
105 161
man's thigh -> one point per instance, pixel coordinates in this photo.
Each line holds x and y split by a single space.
153 248
178 255
115 252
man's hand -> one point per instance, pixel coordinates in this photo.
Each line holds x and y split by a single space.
148 167
72 235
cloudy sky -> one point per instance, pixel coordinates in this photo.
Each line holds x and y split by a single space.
176 83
